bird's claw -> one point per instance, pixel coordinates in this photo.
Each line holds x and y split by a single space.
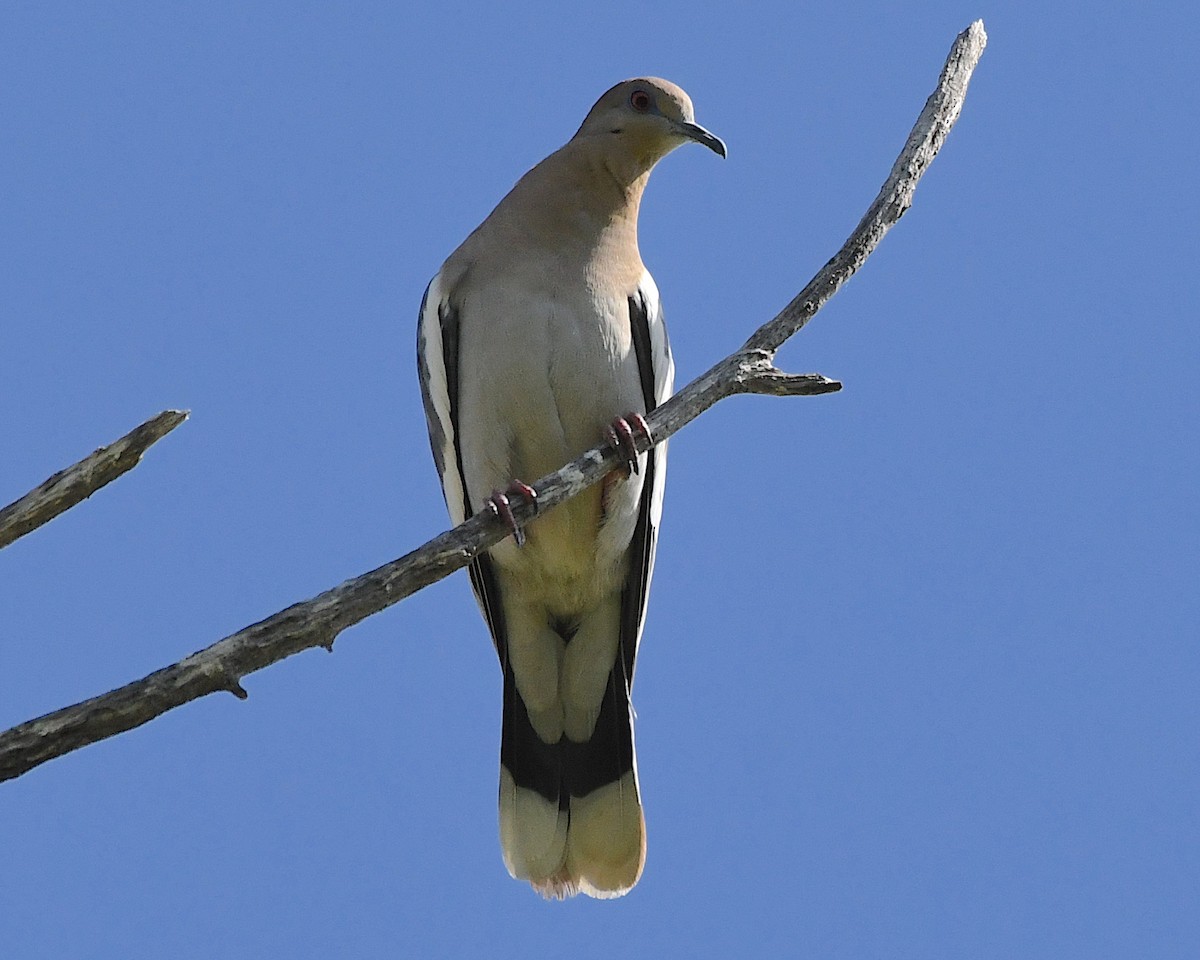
500 503
622 437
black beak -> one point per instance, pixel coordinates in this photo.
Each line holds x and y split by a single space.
693 131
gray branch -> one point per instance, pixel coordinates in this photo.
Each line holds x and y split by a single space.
317 622
75 484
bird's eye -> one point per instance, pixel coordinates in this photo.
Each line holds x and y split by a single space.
640 101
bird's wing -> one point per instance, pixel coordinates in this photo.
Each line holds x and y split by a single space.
657 370
437 371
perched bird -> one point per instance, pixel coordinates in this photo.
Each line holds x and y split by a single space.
539 337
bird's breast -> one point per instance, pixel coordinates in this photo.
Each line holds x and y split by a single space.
547 366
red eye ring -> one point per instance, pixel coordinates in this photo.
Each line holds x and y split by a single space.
640 101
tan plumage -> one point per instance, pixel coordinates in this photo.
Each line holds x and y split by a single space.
538 331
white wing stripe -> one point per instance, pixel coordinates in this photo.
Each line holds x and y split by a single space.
435 385
664 385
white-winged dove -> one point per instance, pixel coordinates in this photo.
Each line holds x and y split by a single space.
539 337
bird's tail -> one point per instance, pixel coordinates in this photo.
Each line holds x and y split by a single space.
570 814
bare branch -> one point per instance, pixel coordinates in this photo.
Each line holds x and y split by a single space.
895 197
76 483
317 622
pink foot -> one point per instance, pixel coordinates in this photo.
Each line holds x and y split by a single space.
622 435
500 504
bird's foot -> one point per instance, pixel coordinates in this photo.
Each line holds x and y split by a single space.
500 503
622 436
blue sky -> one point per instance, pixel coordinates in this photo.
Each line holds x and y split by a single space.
920 673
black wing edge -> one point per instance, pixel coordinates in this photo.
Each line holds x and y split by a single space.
483 577
633 596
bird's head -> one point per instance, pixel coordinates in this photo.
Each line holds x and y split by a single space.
648 117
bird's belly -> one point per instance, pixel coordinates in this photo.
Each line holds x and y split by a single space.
569 370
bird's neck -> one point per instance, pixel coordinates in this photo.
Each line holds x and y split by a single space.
596 196
617 173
